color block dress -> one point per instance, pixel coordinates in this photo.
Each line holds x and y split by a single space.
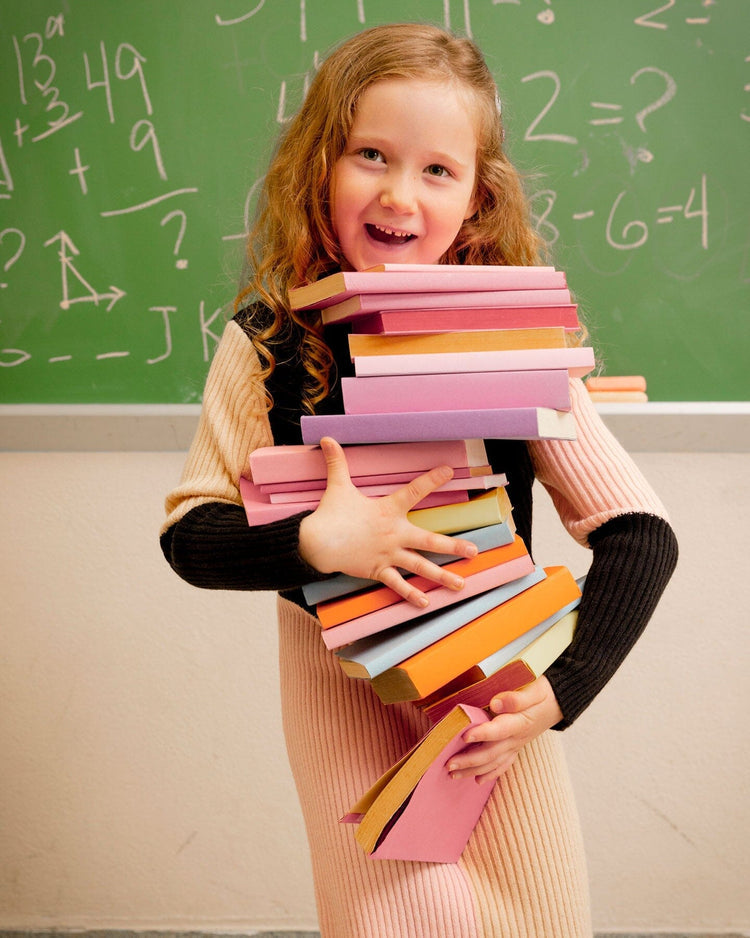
523 873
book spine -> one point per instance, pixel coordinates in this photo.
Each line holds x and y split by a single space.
513 423
491 508
459 391
461 484
577 360
418 321
464 341
309 485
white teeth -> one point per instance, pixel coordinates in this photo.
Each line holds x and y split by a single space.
393 231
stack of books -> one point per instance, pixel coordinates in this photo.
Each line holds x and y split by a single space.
617 389
444 357
447 352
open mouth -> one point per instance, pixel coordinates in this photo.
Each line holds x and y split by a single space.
388 235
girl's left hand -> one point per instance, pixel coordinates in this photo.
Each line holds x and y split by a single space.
522 715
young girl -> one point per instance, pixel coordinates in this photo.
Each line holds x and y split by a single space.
397 155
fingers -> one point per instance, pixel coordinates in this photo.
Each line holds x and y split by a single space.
336 465
413 492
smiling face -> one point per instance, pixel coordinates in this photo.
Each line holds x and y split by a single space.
405 182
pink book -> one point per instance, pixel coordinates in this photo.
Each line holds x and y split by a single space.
307 485
305 461
513 423
457 391
449 278
440 598
578 361
259 509
452 485
363 303
437 818
418 321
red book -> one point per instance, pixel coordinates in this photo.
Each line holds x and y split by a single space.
417 321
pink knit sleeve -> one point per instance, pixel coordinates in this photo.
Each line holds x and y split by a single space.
591 479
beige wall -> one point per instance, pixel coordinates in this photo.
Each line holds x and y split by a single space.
144 781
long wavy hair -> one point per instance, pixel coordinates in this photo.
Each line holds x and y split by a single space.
292 241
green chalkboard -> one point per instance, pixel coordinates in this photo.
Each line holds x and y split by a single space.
133 134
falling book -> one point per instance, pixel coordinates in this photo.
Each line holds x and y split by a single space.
430 278
416 811
511 423
444 660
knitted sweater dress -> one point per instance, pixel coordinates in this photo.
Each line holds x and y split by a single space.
523 872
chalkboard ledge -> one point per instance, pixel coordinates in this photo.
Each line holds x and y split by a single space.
722 427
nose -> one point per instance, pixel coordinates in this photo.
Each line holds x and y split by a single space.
399 193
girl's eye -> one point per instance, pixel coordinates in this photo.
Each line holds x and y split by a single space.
435 169
371 154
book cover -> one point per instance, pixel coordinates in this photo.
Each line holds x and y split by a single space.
416 811
439 663
305 461
577 360
503 423
477 587
550 640
457 391
493 535
362 304
465 341
418 321
434 277
360 604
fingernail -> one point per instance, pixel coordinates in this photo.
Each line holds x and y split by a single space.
458 582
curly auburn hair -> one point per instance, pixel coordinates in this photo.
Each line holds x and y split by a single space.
293 242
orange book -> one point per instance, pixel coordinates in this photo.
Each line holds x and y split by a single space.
359 604
616 383
441 662
480 341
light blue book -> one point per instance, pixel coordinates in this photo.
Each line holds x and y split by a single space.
374 654
493 535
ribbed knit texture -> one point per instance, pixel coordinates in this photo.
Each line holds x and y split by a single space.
523 873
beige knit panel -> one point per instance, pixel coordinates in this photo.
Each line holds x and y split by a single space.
591 479
232 424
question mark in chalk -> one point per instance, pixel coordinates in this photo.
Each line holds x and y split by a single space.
546 16
22 244
177 213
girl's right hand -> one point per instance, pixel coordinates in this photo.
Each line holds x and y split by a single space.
371 537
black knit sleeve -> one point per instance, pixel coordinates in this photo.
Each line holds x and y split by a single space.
213 547
634 556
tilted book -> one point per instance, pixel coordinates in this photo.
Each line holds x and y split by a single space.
550 640
444 660
447 278
491 507
416 811
503 423
474 595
